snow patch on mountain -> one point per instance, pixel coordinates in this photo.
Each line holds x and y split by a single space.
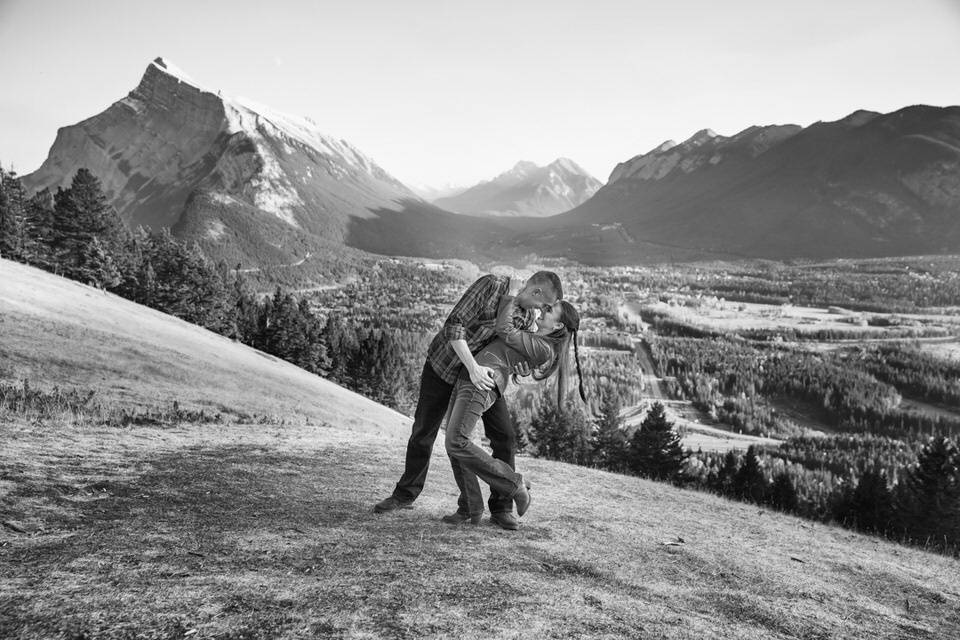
173 70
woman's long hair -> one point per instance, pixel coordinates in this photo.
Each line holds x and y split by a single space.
560 339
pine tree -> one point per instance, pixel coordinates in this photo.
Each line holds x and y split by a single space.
655 450
783 495
11 216
722 483
749 483
38 231
930 507
81 213
97 266
561 434
610 442
389 383
871 503
245 309
341 346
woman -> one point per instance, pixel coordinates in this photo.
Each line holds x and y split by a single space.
545 351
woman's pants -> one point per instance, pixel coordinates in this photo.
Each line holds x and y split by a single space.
468 460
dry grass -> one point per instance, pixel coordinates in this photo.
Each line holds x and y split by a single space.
58 332
253 531
238 530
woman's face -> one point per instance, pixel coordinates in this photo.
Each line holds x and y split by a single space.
550 320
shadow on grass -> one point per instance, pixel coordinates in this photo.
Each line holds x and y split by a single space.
241 540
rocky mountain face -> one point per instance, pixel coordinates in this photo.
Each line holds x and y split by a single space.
250 184
526 190
869 184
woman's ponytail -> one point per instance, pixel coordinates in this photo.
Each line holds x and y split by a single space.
576 355
560 340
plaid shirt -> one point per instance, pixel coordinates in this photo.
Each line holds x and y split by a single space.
473 319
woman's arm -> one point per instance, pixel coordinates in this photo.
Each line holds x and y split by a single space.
534 348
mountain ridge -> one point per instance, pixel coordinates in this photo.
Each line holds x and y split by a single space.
526 190
866 185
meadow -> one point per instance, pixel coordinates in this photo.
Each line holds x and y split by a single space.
255 522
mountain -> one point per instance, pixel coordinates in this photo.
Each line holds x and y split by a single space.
250 184
526 190
431 192
870 184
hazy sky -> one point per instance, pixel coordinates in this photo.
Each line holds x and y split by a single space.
440 91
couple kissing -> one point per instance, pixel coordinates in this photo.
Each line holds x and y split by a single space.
492 333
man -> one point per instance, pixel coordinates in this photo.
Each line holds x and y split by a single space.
468 328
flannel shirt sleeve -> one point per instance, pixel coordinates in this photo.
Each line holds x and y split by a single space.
468 307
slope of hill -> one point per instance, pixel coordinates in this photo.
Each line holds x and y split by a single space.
526 190
246 528
56 331
866 185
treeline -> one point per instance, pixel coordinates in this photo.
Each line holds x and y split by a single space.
76 234
873 484
917 374
395 293
733 381
881 286
907 496
664 324
572 435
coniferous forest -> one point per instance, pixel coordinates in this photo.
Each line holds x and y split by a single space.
874 466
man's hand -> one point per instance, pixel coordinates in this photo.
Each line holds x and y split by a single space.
522 368
482 377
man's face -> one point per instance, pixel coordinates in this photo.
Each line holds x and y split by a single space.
536 296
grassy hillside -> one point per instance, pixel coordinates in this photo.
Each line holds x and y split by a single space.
258 525
55 331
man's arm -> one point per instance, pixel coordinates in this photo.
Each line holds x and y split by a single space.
466 309
480 376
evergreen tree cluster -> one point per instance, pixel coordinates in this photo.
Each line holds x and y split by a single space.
918 502
733 380
652 450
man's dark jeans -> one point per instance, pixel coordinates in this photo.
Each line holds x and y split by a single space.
431 410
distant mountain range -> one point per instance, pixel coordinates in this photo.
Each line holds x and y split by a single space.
526 190
869 184
431 192
262 188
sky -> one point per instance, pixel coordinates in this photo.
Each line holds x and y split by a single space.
443 92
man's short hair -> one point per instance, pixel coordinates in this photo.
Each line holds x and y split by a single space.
550 279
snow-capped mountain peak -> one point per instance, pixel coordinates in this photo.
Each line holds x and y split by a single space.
174 153
171 69
527 190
